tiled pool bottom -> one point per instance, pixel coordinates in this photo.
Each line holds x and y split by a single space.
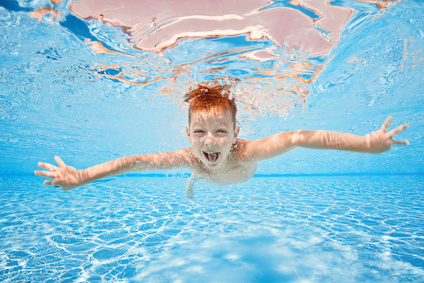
139 229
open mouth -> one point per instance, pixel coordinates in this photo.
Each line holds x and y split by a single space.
211 156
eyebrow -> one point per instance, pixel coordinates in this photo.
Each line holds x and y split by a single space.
220 124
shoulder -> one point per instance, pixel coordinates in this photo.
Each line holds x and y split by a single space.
185 157
268 147
255 150
185 154
241 149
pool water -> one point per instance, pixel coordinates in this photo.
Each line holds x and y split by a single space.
89 89
143 229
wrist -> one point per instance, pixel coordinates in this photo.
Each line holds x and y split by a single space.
82 177
368 142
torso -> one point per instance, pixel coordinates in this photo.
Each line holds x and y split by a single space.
237 169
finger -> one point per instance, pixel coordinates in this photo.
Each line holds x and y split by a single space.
48 183
405 142
398 130
48 174
386 124
59 161
47 166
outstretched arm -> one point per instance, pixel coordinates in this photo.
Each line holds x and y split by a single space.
69 178
375 142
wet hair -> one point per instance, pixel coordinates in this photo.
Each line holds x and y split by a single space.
212 99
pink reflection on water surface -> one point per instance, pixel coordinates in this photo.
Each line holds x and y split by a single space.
158 25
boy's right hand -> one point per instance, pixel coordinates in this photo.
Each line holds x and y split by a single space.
65 176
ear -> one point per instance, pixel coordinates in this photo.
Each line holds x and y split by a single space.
188 133
236 133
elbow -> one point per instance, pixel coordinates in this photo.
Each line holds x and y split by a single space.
297 137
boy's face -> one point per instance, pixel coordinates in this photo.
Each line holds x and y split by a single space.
212 136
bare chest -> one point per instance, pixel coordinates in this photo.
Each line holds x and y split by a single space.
238 173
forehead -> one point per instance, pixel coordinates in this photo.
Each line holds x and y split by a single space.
221 117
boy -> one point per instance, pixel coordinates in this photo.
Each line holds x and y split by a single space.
217 155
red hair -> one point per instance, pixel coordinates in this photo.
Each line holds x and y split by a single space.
212 99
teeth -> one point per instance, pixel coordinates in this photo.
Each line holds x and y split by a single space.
211 156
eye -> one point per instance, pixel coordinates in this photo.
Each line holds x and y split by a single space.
199 132
222 132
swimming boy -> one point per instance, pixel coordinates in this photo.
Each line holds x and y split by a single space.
217 155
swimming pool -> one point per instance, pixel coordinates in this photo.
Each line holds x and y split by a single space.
307 216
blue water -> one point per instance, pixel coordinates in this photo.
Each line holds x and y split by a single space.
307 216
307 229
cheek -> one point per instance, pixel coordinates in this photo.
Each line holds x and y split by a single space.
196 141
225 142
196 144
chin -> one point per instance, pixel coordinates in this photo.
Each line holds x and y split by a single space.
213 165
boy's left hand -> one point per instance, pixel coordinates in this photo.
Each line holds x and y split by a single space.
382 140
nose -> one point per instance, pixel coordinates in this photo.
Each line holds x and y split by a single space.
210 140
